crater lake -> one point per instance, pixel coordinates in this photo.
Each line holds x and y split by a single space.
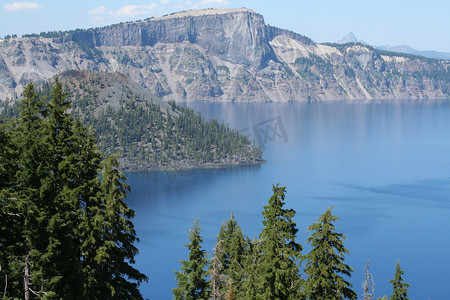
383 165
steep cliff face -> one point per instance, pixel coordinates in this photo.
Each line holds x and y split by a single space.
235 35
224 55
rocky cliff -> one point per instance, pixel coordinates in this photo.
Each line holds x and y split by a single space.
223 55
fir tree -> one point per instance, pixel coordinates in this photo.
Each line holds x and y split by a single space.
227 264
56 214
28 203
325 262
191 278
400 288
250 282
12 250
277 265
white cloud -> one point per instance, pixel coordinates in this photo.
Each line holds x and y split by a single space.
125 11
164 1
18 6
135 10
101 10
215 2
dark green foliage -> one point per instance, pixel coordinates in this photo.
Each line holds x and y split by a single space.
325 262
108 248
310 68
277 261
164 138
268 268
400 288
191 278
251 275
64 232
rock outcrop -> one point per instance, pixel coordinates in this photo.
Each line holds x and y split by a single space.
223 55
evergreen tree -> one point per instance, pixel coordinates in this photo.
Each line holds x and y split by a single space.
325 262
215 270
12 250
277 264
117 251
64 233
400 288
191 278
250 282
227 264
25 192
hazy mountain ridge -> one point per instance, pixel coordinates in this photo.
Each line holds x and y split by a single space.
409 50
351 38
223 55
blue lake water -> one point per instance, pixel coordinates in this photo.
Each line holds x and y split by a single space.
384 166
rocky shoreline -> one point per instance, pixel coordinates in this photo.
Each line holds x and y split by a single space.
185 165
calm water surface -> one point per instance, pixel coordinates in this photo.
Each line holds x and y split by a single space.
384 166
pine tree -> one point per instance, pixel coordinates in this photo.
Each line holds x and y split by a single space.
325 262
400 288
56 213
191 278
250 285
230 254
60 259
12 250
26 194
278 261
117 251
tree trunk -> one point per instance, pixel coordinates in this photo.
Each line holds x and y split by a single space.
26 278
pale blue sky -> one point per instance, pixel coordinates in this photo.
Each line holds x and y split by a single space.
424 25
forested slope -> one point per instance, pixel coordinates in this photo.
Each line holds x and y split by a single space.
148 133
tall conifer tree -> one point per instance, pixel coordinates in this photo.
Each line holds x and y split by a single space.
400 288
277 265
12 250
325 262
230 251
65 232
191 278
250 284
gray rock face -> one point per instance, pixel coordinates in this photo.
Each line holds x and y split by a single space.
238 36
349 38
223 55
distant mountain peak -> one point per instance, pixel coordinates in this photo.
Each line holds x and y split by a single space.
349 38
219 55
